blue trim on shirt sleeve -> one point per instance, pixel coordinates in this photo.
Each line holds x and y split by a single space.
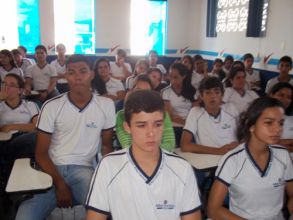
223 181
190 211
97 210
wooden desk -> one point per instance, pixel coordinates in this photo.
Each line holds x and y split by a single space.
24 178
5 136
200 161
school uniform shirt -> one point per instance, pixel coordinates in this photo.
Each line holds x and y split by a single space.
212 131
196 79
24 65
22 114
118 71
120 187
113 86
130 81
41 76
273 82
59 69
288 130
255 193
15 70
180 105
252 78
75 132
240 102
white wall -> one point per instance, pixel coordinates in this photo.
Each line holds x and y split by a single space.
278 38
186 28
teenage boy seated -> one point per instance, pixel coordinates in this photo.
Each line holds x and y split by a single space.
284 67
213 124
70 128
143 181
41 77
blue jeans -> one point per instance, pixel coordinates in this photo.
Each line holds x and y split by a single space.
41 205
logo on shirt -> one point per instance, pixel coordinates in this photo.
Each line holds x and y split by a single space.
91 125
165 205
279 183
24 112
226 126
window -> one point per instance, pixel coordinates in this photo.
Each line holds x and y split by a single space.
232 15
20 24
148 26
76 29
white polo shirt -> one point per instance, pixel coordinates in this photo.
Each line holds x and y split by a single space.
252 78
273 82
210 131
120 187
113 86
41 76
24 65
180 105
118 71
288 130
59 69
240 102
256 194
75 132
15 70
130 81
196 79
22 114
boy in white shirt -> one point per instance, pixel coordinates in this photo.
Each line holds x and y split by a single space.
150 183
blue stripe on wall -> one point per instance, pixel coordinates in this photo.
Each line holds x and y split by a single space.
273 61
202 52
170 51
101 50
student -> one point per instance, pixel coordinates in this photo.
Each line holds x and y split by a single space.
199 72
21 63
59 66
213 124
148 182
23 52
237 94
156 77
284 66
252 76
168 139
153 62
187 61
179 98
257 172
114 87
41 76
141 67
217 69
70 128
8 65
120 69
284 93
17 117
228 64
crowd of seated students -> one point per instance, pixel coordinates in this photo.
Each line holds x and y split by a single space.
202 108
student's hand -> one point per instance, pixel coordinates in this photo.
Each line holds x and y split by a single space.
27 90
6 128
227 147
43 95
63 195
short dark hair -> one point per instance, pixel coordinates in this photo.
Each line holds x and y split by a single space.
197 57
153 51
20 81
280 85
148 101
22 48
249 118
154 69
210 83
121 52
143 78
286 59
15 52
41 47
229 58
248 56
7 53
218 60
78 58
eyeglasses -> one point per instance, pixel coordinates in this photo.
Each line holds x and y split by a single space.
4 84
